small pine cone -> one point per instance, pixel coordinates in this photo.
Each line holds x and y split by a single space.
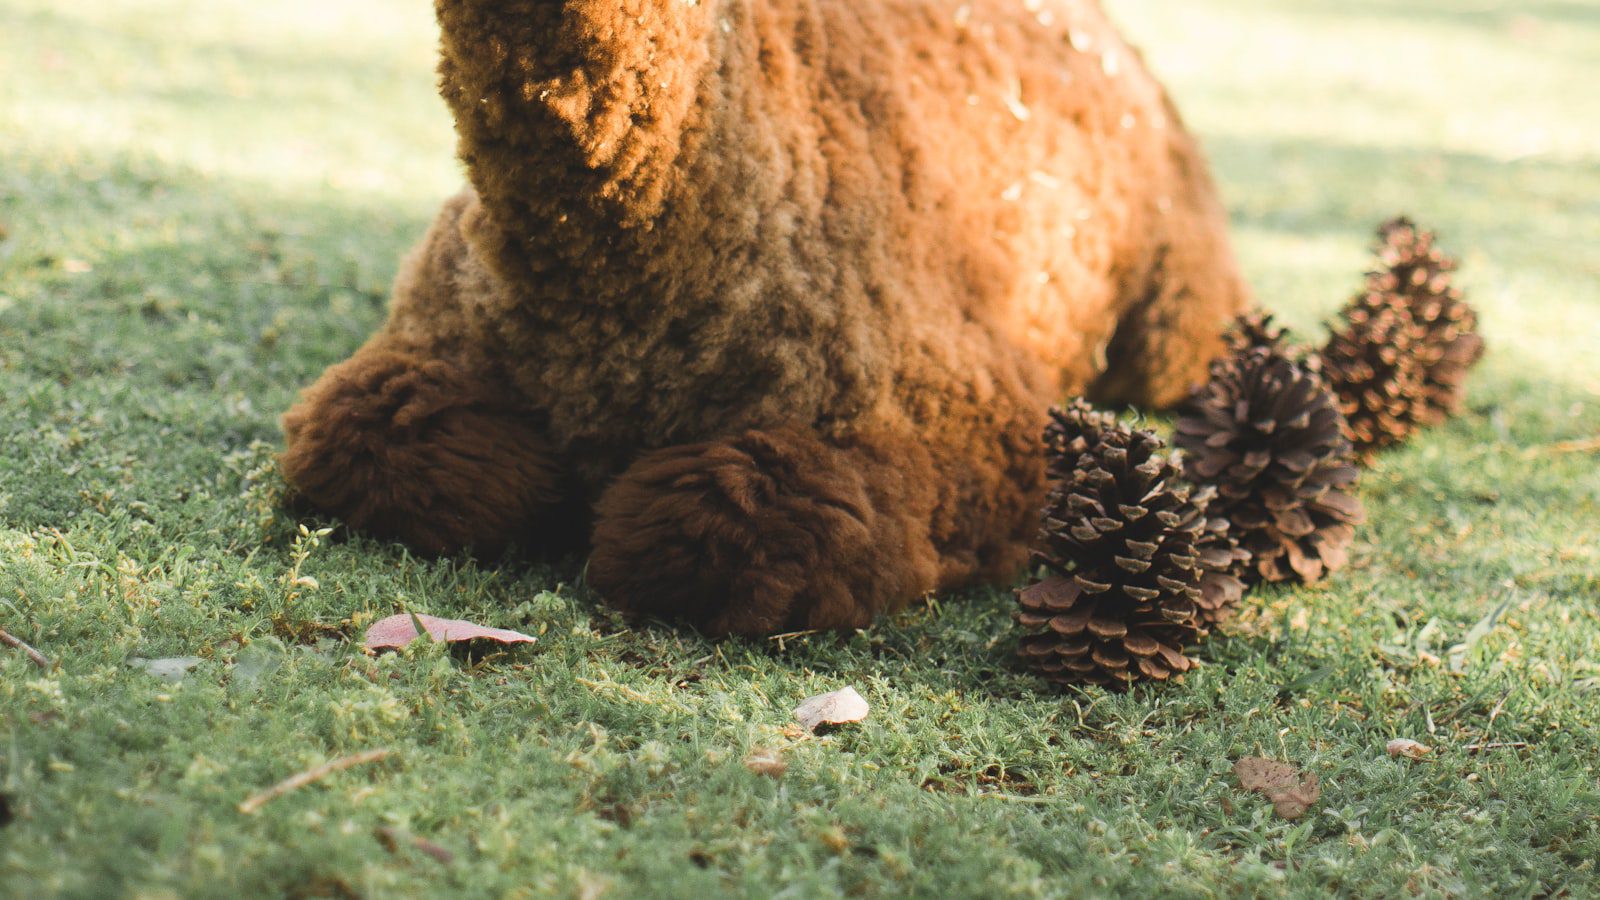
1445 380
1119 541
1444 326
1072 430
1371 365
1255 329
1398 358
1266 434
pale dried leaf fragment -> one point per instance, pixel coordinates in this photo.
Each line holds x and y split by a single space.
167 668
763 761
1294 803
1458 653
1291 793
400 630
833 708
1408 748
256 662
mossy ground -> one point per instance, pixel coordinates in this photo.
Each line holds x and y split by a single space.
202 204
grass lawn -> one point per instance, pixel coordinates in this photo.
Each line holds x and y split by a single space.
201 205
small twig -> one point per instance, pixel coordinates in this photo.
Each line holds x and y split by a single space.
392 838
39 659
1584 445
1499 707
793 634
295 782
1500 745
779 639
1016 798
624 690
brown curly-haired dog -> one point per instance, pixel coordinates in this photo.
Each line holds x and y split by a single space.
778 291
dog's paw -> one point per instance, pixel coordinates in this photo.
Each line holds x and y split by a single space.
415 450
765 532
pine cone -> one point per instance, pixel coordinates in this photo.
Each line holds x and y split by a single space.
1254 329
1445 380
1266 433
1398 357
1224 566
1119 540
1371 366
1071 431
1445 327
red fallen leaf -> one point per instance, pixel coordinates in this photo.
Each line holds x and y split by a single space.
398 631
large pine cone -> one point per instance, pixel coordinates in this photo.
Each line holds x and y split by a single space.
1266 434
1120 542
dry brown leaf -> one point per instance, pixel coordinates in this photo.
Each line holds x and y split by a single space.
1408 748
833 708
400 630
1291 792
1292 803
1258 774
766 762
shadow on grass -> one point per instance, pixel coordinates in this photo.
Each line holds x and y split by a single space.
1464 193
155 322
166 277
211 301
1482 14
352 64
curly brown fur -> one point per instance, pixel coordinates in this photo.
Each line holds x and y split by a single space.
832 221
765 531
414 450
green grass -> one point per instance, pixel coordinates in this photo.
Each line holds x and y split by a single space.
202 205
